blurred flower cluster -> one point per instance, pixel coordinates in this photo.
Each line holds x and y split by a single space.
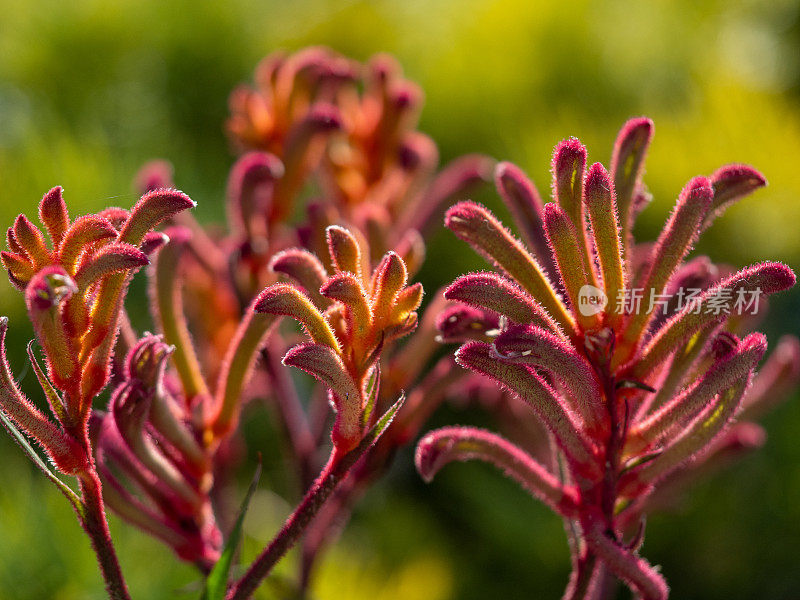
328 207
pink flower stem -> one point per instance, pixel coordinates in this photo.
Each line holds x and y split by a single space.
94 522
582 587
584 583
613 450
327 481
330 521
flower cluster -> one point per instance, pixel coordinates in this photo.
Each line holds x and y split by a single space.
74 291
155 471
162 445
628 399
363 313
609 409
376 171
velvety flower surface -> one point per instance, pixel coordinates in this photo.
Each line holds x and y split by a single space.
630 359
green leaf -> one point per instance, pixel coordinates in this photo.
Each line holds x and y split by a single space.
372 394
217 581
368 441
23 443
53 398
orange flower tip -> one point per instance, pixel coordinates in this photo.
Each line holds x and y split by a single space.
343 248
48 288
301 265
113 258
392 273
29 237
152 209
18 266
53 213
85 230
342 287
13 243
154 175
54 196
166 201
21 221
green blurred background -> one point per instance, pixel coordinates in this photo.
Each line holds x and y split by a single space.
91 90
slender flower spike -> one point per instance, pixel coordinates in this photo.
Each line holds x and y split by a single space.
574 270
636 376
149 460
522 198
496 293
626 169
478 227
673 244
602 208
449 444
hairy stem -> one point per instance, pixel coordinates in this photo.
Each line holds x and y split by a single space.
94 522
335 470
583 578
613 450
294 527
